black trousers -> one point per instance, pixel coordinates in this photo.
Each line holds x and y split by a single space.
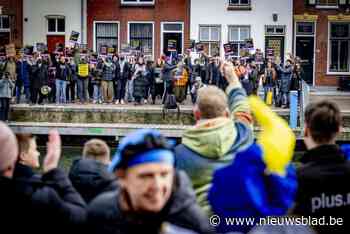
4 109
36 93
121 87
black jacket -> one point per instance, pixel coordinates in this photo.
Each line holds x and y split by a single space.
91 178
324 187
105 215
39 76
49 206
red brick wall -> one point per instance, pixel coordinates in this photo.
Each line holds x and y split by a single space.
163 10
321 40
14 8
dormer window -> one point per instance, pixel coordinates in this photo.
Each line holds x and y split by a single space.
239 5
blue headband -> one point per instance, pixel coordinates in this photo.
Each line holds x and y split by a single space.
154 156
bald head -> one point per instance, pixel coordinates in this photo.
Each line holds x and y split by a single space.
212 102
8 150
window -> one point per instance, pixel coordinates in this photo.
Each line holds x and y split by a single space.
4 22
339 42
56 24
141 37
239 2
138 2
237 35
273 30
305 28
239 5
210 36
327 3
106 35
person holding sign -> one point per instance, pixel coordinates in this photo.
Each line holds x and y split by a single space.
83 80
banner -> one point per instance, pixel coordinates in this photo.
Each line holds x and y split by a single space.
41 47
228 48
74 37
172 44
259 57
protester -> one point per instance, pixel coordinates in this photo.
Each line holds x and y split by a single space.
96 77
140 82
122 79
40 78
62 74
24 201
89 175
167 77
151 82
260 181
269 79
286 76
6 86
22 80
195 88
108 76
325 171
150 193
222 129
83 81
180 79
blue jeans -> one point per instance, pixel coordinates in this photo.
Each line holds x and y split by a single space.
130 90
61 86
97 93
19 92
82 89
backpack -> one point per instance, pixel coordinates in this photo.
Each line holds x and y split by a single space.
170 104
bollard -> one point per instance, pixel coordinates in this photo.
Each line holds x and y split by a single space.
293 103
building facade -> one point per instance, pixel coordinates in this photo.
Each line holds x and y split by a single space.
11 24
268 23
146 25
52 21
322 39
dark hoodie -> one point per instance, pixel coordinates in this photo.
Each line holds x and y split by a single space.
105 215
91 178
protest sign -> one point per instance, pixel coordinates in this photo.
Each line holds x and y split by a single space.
172 45
74 36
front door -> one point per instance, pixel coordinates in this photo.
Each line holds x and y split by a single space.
53 41
305 51
277 44
176 37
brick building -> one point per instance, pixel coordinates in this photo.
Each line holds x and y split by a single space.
147 25
322 39
11 23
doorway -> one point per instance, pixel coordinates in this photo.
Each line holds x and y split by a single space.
172 35
305 51
53 41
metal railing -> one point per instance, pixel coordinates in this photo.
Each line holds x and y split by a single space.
304 101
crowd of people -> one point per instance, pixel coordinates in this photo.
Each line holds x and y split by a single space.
119 79
218 171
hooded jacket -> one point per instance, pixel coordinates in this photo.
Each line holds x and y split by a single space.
212 144
323 190
91 178
105 215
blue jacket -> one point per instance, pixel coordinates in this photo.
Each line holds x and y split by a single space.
22 70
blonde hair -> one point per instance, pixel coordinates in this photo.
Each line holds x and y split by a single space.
211 102
97 149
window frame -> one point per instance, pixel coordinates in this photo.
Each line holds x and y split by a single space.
55 17
137 3
249 4
210 41
328 72
326 6
239 42
153 32
2 29
95 32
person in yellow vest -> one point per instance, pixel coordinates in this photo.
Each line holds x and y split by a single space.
181 79
83 80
